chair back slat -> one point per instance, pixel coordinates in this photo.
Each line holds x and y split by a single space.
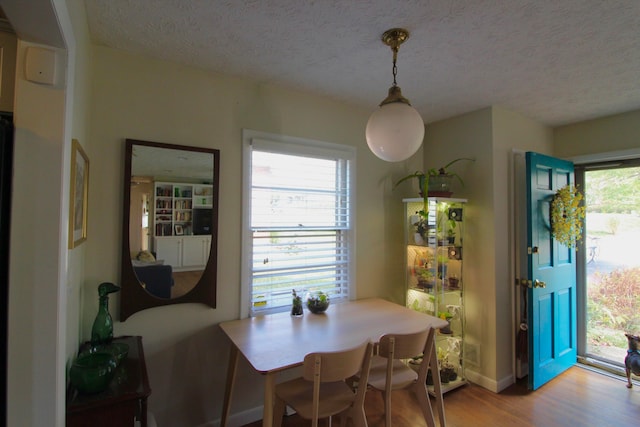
323 390
403 346
398 375
334 366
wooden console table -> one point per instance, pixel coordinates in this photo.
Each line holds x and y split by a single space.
123 402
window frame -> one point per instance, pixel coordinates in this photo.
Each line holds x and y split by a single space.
605 160
291 146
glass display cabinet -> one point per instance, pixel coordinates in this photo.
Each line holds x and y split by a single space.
434 256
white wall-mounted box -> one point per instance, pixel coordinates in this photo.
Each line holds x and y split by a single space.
41 65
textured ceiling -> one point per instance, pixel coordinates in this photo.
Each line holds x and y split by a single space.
555 61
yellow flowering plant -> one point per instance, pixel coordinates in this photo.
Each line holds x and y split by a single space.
445 315
567 214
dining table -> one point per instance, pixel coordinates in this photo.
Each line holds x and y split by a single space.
273 343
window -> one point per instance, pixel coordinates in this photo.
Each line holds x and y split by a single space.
298 231
609 270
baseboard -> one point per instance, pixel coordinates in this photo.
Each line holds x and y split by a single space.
239 419
488 383
151 421
505 382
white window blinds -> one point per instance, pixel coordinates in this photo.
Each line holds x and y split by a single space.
300 219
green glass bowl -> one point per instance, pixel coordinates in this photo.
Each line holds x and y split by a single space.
92 373
119 350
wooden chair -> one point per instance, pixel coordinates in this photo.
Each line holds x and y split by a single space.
389 371
322 391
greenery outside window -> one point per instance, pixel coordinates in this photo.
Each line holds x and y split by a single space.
608 269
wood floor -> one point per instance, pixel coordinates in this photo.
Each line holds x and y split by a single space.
578 397
184 281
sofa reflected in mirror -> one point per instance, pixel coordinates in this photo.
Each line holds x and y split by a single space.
157 279
170 223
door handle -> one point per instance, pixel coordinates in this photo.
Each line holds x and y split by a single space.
539 284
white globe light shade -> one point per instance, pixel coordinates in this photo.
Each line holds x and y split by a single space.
395 131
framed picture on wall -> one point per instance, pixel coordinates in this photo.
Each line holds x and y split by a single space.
78 200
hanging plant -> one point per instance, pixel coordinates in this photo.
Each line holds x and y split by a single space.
567 215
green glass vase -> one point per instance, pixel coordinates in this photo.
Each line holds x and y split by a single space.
102 330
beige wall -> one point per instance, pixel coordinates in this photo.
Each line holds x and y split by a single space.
46 278
489 136
619 132
141 98
470 135
8 46
38 254
511 131
36 323
80 90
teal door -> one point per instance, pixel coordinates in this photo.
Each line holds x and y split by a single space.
551 307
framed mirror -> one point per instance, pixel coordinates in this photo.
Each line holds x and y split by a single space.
170 226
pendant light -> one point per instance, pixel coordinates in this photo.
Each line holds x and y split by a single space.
395 130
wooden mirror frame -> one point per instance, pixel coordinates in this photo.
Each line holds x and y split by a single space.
133 297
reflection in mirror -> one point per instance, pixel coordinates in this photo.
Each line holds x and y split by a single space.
171 212
170 224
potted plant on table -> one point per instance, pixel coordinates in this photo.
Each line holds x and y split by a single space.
317 302
296 305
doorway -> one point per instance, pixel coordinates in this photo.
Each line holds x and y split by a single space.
610 262
6 179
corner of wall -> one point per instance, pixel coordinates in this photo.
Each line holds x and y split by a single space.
489 383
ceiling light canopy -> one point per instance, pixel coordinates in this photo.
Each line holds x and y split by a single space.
395 130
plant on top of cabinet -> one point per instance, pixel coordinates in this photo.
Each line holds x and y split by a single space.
436 182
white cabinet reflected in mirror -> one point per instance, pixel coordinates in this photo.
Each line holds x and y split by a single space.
170 222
